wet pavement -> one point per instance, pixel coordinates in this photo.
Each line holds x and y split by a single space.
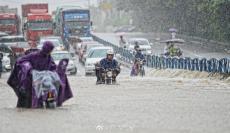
148 104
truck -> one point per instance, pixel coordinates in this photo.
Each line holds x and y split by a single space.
37 22
9 20
72 21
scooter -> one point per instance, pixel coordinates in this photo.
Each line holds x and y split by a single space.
138 68
141 68
46 85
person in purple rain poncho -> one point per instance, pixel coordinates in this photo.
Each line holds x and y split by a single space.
21 78
64 94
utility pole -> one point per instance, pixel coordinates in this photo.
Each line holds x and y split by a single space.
89 3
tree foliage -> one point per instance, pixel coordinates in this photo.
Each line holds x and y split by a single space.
204 18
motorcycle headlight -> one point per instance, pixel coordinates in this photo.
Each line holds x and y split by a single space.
109 74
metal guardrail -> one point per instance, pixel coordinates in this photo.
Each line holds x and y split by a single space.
213 65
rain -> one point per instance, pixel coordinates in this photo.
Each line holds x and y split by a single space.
115 66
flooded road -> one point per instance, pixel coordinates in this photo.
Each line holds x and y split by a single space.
164 101
149 104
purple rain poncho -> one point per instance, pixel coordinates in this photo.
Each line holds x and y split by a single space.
65 92
21 78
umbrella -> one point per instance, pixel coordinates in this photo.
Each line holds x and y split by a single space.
4 48
173 41
172 30
120 33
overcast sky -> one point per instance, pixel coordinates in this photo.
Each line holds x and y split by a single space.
53 4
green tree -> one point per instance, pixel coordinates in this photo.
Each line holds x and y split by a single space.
203 18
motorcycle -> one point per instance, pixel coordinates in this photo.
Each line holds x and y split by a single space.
109 76
46 85
138 68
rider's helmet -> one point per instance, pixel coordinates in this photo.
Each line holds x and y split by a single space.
136 46
110 54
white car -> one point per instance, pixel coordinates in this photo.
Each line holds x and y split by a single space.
94 56
14 41
59 55
87 49
6 62
56 40
144 44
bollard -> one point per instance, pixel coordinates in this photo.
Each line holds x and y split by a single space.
170 63
213 65
181 63
175 63
163 62
168 60
223 65
153 61
187 65
157 62
148 61
195 64
203 65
